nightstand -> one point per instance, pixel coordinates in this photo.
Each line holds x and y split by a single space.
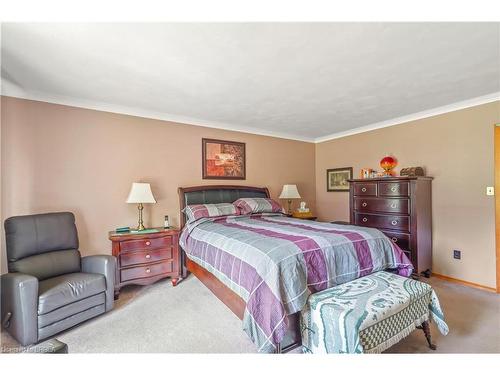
303 216
143 258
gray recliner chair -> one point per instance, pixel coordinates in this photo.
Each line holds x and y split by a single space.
49 287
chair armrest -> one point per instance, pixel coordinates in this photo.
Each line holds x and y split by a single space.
106 266
20 298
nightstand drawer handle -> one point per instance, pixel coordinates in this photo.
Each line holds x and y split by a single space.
364 204
394 188
363 190
148 256
394 239
365 220
394 222
148 270
148 243
394 205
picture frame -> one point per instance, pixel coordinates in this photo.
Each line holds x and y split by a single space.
336 179
223 160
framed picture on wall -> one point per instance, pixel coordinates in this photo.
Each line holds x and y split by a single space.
223 160
336 179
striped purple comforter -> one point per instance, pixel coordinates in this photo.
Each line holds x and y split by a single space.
274 263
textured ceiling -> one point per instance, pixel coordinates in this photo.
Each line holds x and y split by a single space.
300 80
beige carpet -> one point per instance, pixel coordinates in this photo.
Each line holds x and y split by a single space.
190 319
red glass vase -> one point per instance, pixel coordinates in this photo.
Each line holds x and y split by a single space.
388 164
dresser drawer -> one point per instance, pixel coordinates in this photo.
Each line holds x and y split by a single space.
146 244
365 188
398 206
139 272
400 239
146 256
382 221
393 189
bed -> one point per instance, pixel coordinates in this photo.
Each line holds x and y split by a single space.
264 266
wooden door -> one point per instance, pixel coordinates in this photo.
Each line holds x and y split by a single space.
497 199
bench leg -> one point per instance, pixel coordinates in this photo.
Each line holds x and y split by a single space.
427 332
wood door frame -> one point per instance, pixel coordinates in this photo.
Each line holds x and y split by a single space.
496 131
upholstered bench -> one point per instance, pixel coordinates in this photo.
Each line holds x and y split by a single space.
369 314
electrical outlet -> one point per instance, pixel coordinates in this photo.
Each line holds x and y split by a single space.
490 190
457 254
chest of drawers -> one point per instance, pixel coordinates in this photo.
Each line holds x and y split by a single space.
401 208
145 258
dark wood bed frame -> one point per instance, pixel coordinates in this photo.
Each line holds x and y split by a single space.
234 302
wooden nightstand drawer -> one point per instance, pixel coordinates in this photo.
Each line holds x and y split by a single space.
147 256
146 244
144 258
150 270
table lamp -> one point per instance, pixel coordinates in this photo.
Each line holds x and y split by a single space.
140 193
289 192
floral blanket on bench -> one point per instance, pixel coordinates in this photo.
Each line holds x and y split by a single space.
368 315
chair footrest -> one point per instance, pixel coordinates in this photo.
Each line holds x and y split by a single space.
52 346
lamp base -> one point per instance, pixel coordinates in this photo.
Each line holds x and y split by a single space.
140 225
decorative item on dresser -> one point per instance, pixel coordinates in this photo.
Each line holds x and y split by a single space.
401 208
412 171
388 163
143 258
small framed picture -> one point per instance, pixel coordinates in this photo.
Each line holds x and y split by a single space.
223 160
336 179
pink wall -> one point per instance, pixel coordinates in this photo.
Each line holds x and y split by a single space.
64 158
56 157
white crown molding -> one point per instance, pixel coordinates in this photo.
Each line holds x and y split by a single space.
414 116
13 90
9 88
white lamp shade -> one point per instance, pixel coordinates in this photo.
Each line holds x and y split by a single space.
289 192
140 193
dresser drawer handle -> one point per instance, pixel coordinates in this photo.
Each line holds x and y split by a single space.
364 204
394 222
365 220
393 189
394 239
363 190
148 256
394 205
148 243
148 270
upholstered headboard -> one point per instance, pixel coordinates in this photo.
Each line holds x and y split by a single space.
217 194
